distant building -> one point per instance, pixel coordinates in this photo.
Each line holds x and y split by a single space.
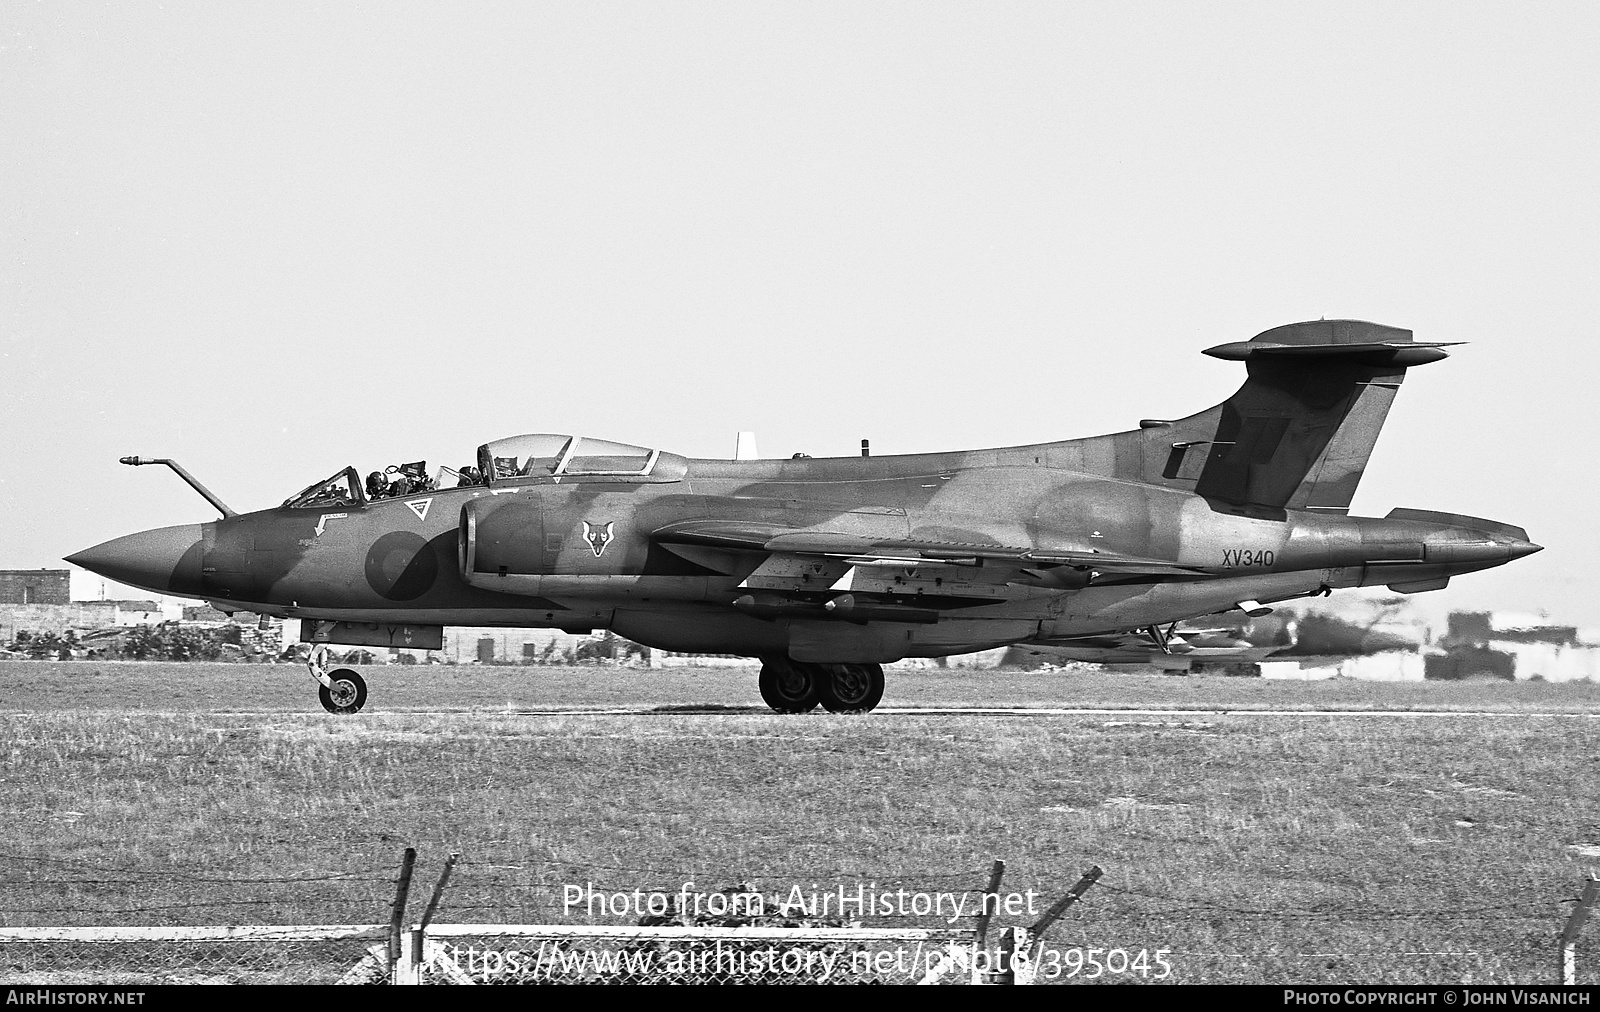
1476 628
1387 666
206 613
35 586
1512 647
76 615
494 645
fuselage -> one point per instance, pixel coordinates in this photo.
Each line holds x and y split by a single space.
586 553
859 560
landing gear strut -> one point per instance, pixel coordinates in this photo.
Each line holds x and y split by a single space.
797 687
1162 638
341 690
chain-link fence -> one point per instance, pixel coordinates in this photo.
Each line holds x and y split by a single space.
526 954
313 954
514 919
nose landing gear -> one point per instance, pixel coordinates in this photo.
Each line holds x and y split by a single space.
341 690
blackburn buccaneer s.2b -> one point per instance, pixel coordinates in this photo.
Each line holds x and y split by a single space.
826 568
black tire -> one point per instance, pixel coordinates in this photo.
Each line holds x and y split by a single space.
850 688
877 688
789 687
348 695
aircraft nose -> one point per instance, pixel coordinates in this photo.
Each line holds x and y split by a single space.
1519 548
165 560
1465 546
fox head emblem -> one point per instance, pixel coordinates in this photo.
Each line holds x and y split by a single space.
598 537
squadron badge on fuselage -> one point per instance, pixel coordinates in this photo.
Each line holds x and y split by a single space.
597 538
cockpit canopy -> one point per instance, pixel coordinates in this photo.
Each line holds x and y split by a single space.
543 455
343 489
539 456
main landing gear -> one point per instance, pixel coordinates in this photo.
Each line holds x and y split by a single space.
796 687
341 690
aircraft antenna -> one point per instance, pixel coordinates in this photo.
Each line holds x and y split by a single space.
210 496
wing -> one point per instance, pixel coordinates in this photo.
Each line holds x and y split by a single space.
857 549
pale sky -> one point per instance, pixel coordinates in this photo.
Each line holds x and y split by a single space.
271 239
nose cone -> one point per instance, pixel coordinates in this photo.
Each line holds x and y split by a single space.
1467 547
1520 548
165 560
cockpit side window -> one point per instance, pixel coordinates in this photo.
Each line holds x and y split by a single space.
553 457
532 456
343 489
538 464
601 456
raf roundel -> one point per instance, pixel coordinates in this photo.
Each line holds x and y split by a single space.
401 566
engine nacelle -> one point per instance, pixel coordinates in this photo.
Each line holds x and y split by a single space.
501 538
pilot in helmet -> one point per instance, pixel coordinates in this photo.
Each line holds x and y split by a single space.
377 488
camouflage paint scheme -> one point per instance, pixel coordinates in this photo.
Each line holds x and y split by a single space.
860 560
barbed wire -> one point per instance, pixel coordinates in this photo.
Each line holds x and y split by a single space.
1347 912
1319 955
134 881
808 872
482 874
148 908
364 875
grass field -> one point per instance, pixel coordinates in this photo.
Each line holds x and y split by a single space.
49 687
1255 847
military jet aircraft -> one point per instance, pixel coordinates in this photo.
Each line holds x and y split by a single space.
826 568
1170 649
1313 639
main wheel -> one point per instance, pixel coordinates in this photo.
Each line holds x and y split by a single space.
789 687
850 688
348 694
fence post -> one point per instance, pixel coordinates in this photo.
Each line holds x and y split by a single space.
408 969
1060 906
397 914
414 943
991 899
438 890
1016 964
1569 934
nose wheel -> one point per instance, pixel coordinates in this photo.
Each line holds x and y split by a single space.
341 690
347 694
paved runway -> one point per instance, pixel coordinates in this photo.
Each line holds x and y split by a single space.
1031 711
715 710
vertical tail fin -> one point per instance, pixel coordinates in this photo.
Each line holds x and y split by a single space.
1298 434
